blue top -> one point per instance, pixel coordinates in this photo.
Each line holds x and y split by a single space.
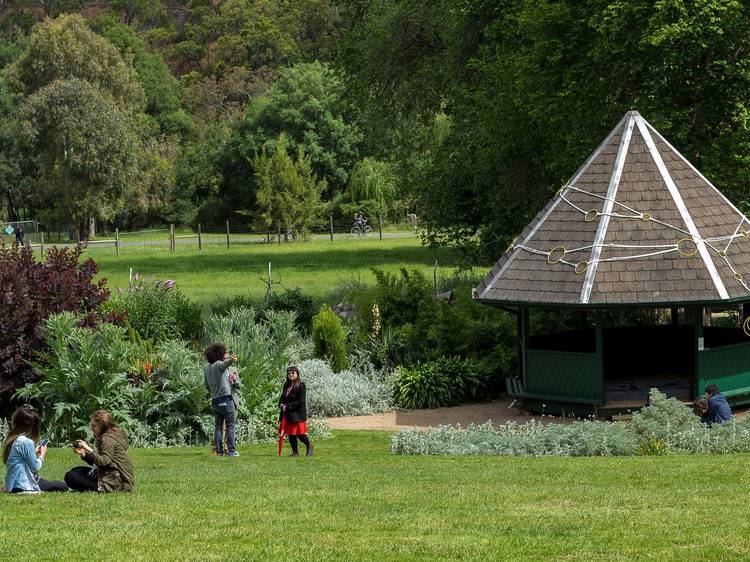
21 466
718 410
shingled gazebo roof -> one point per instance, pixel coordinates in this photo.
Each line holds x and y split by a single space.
636 224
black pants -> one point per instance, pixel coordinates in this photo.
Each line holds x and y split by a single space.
81 479
303 438
46 486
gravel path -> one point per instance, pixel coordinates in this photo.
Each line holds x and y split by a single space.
499 411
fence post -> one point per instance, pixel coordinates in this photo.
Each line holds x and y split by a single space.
331 217
41 235
117 241
172 244
200 241
434 279
227 234
279 227
380 224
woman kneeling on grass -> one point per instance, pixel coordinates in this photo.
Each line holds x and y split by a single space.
20 456
111 469
293 418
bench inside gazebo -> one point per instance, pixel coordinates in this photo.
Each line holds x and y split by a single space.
631 278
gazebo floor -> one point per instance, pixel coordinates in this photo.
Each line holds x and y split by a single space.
633 393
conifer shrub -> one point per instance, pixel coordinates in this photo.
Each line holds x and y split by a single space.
329 339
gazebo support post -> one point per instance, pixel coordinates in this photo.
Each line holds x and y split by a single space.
698 343
675 316
599 350
523 341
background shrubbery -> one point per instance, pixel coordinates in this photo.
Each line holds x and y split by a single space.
31 291
664 427
155 389
450 350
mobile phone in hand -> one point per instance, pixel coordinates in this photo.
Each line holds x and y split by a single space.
44 442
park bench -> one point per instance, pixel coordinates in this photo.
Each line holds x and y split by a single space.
514 387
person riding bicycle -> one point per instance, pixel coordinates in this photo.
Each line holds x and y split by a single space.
360 220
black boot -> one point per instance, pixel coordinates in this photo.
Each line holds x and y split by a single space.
293 443
308 445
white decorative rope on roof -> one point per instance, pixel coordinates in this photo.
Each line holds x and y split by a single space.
689 244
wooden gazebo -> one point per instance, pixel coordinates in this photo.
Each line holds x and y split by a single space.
633 276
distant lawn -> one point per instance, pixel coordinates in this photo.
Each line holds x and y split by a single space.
355 501
316 266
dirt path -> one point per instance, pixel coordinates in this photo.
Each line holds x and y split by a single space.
499 411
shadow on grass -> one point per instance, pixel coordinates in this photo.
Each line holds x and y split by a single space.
339 259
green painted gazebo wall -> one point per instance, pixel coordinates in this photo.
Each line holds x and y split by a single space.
564 374
728 367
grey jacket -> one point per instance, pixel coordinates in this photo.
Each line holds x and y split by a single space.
216 377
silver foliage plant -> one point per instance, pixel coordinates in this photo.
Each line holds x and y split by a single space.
666 426
359 391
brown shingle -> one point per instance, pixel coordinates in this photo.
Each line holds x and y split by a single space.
627 275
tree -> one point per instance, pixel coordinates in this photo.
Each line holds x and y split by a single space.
162 91
137 9
530 88
65 48
288 192
373 187
85 149
306 105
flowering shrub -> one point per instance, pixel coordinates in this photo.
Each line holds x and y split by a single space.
157 310
355 392
664 427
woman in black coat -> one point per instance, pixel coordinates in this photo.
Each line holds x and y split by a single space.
293 417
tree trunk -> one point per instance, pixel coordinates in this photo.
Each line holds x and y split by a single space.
83 230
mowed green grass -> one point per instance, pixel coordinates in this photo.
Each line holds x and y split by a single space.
316 267
355 501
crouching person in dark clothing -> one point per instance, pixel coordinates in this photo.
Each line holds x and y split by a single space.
110 467
718 407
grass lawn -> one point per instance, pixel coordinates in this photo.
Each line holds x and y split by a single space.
355 501
316 267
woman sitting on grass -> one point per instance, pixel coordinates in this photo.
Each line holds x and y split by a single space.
111 469
20 456
293 416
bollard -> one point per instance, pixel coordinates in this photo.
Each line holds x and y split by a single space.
200 242
227 235
117 241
